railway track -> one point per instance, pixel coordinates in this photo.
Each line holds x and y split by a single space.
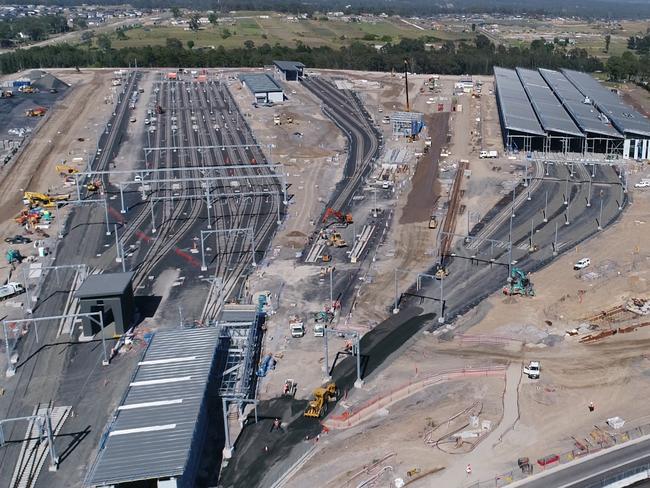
364 141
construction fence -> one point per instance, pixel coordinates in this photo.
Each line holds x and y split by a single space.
363 411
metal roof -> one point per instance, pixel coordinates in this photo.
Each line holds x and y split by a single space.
549 110
623 117
585 115
289 65
260 83
102 285
151 433
516 110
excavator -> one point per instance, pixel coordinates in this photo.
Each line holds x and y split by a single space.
518 284
64 170
322 396
339 217
336 240
40 199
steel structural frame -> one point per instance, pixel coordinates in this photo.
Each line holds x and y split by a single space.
346 334
45 424
11 369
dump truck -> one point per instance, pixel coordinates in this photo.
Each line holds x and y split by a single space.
10 290
322 396
36 112
336 240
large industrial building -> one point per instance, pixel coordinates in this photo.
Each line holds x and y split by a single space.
567 111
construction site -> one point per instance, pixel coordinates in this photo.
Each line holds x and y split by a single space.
266 277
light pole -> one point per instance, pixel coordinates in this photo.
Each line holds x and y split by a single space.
441 317
600 216
546 207
396 307
555 241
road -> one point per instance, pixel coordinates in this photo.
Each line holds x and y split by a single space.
597 470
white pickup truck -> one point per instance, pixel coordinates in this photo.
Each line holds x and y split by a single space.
11 289
488 154
533 370
319 330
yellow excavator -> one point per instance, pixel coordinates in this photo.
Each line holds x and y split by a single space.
64 169
32 198
322 396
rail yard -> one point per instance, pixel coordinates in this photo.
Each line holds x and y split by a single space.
223 277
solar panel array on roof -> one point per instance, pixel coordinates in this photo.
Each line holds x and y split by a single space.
624 117
515 107
549 110
585 114
151 434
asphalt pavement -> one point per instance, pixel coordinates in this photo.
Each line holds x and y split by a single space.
597 470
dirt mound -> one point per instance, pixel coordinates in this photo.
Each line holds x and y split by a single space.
48 82
296 233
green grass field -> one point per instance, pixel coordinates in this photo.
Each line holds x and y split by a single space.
276 29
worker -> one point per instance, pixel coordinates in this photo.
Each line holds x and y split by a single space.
592 407
276 424
468 469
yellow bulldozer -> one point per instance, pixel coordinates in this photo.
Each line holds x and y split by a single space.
40 199
336 240
322 396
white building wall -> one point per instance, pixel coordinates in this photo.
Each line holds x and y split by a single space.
275 97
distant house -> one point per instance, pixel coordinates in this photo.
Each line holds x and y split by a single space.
289 70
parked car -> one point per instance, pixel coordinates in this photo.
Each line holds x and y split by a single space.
582 264
18 239
642 184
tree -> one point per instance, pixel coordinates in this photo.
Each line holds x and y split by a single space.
173 43
104 42
213 18
473 27
80 23
176 12
225 34
248 44
194 23
87 36
190 44
608 39
386 39
119 33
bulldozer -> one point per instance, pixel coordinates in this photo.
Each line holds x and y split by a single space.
40 199
322 396
441 272
93 185
518 284
339 217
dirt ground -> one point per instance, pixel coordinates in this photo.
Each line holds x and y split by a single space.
502 330
77 116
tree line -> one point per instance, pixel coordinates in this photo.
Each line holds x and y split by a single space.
36 28
582 8
477 57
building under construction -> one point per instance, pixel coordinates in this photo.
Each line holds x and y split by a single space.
567 111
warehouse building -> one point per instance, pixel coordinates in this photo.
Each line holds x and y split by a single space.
568 111
289 70
264 88
156 435
519 125
600 135
634 126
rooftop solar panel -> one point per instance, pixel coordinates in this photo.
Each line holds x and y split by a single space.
518 114
549 110
623 117
586 115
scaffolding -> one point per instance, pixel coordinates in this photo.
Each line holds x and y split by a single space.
406 124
